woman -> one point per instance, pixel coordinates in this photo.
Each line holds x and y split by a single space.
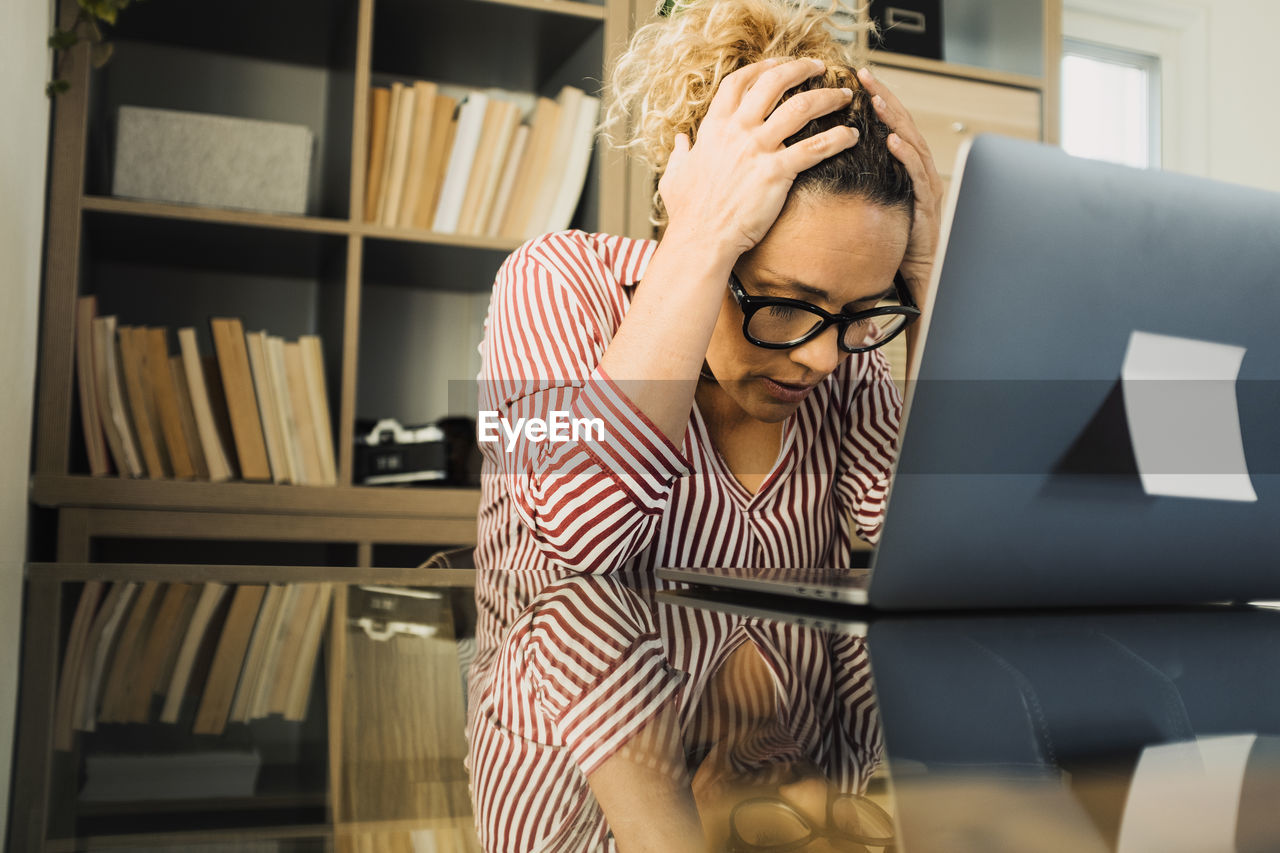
736 429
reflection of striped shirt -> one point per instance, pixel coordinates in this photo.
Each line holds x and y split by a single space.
633 501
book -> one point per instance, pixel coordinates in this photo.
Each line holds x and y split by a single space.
167 404
141 404
259 702
570 101
444 124
111 399
511 128
95 440
256 654
300 403
187 416
284 405
495 138
102 637
461 158
218 406
215 454
291 648
119 686
576 163
159 648
424 108
73 655
241 399
268 411
379 112
215 703
304 673
318 396
388 146
210 597
510 170
398 166
532 170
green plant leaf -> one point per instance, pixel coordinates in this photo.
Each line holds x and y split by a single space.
57 87
63 39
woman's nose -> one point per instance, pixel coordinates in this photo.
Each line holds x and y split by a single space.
821 355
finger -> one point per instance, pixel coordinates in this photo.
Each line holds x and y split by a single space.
892 112
899 120
681 146
763 96
800 109
736 83
922 185
806 153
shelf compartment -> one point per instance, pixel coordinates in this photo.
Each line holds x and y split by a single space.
176 237
188 79
216 215
523 47
315 32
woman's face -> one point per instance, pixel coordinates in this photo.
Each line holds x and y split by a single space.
839 253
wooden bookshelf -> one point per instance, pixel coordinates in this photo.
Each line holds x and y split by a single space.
311 63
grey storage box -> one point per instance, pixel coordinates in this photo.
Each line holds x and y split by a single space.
216 161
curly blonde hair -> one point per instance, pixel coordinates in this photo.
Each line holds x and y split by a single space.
662 85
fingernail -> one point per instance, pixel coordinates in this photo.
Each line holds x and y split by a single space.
878 101
856 134
848 93
865 73
819 64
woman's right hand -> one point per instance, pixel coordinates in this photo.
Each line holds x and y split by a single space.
729 186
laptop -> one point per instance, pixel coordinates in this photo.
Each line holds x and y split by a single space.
1096 413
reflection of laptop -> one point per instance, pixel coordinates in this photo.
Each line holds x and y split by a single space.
1025 473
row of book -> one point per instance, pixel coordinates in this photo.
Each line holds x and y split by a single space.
258 409
250 650
477 164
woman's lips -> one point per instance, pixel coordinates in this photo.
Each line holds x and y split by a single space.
785 392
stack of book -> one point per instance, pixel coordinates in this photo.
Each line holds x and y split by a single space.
138 648
258 410
476 164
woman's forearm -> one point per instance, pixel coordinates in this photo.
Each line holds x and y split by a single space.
658 350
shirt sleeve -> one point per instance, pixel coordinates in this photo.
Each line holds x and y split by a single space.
869 446
592 490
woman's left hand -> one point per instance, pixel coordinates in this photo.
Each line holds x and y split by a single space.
909 146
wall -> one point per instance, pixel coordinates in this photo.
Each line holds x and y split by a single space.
1244 122
24 65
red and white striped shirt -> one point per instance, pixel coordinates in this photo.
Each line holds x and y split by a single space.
623 504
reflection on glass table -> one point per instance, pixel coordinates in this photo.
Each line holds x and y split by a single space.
1127 731
602 719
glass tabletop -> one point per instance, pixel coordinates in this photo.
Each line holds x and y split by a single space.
609 715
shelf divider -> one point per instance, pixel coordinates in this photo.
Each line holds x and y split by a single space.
195 573
73 490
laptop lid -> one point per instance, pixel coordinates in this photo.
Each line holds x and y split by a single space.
1095 415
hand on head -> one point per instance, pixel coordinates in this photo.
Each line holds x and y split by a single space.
730 185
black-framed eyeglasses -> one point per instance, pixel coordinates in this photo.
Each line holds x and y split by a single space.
772 825
775 322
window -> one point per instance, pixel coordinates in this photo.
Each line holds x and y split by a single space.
1111 104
